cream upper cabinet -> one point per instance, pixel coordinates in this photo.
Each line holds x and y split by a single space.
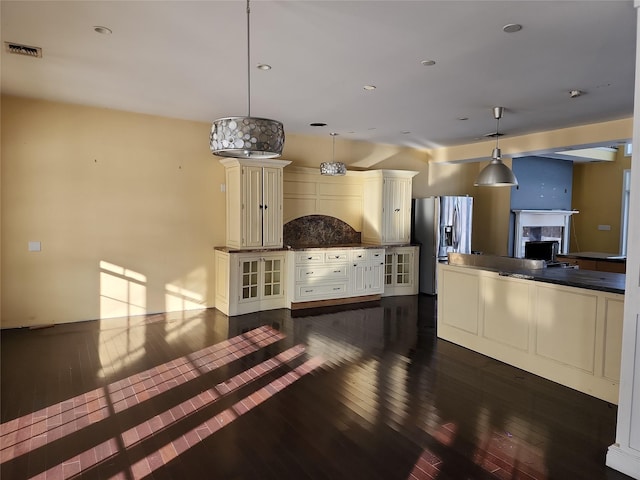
254 202
387 207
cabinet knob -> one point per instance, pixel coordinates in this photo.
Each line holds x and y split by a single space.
266 206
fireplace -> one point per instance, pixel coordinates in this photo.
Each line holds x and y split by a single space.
541 225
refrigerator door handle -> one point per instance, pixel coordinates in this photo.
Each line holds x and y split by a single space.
456 228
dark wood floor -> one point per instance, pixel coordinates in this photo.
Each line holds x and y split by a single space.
359 393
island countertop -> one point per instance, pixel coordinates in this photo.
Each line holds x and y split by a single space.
573 277
521 268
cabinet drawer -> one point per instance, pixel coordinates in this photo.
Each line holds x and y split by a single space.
373 255
359 256
303 258
333 256
324 291
376 256
321 273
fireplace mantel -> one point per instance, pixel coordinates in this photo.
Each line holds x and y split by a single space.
541 218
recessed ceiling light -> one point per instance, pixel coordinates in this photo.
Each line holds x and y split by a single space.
263 66
369 87
405 132
102 30
318 124
371 128
512 28
463 118
575 93
428 63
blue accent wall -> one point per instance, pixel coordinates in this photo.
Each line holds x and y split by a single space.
544 184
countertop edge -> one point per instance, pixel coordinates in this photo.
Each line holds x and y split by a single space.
351 246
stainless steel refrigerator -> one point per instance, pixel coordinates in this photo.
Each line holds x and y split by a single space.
440 225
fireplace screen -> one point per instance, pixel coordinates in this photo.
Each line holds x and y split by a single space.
541 225
548 233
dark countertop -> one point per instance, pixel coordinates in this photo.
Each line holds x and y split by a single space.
299 248
302 248
249 250
573 277
607 257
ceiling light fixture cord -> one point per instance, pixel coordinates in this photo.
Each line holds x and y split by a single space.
333 152
248 62
498 132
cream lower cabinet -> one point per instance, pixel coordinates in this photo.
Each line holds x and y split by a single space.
367 272
401 270
569 335
249 282
334 274
319 275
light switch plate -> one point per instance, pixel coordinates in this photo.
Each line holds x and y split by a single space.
35 246
223 187
604 227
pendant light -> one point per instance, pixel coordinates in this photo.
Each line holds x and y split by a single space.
247 137
333 168
496 174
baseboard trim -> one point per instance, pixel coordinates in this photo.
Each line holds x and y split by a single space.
623 461
334 301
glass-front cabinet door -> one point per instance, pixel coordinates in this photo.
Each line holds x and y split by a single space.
249 282
399 266
261 277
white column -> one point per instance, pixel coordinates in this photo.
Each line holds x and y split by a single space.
624 455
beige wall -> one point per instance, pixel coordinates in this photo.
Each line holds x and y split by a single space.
597 195
127 207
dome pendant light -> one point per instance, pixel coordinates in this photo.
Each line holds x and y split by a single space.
333 168
496 174
247 137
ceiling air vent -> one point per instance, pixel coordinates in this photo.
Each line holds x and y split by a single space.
17 49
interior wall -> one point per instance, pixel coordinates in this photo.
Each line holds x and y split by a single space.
126 207
597 195
543 184
490 234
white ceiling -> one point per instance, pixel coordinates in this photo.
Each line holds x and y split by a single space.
188 60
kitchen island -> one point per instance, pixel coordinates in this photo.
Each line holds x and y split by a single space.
561 324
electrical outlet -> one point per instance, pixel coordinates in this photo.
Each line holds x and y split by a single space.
35 246
605 228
